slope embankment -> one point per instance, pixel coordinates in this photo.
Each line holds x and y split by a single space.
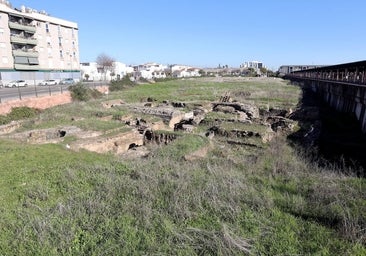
42 102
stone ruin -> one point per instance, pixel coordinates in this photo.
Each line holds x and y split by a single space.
172 118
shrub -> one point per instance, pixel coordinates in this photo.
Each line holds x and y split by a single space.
165 79
19 113
81 92
4 119
119 85
95 94
143 80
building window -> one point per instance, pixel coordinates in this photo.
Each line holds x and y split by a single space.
47 28
60 41
48 41
72 32
61 54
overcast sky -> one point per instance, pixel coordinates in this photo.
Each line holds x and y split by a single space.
206 33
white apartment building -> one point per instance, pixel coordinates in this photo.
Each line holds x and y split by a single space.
35 46
256 65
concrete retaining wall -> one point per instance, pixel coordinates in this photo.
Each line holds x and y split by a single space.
344 97
42 102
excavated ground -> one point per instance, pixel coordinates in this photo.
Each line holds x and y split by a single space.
334 138
232 122
337 137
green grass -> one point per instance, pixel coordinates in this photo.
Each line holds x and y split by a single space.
275 91
24 166
239 200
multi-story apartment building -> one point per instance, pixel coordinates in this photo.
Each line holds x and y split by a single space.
256 65
35 46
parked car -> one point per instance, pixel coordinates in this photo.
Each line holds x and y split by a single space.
67 81
48 82
16 83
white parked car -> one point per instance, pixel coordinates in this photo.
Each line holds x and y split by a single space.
48 82
16 83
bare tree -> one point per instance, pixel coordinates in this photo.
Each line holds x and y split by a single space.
105 63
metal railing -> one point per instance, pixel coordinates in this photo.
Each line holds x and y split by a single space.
20 93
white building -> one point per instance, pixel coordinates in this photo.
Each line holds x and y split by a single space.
256 65
121 69
35 46
91 72
150 71
180 71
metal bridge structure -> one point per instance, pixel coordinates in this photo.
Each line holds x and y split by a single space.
342 86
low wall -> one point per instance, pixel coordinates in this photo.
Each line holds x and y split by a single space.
42 102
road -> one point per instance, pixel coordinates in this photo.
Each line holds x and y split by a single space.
7 94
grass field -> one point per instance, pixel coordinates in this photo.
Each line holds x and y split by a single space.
238 200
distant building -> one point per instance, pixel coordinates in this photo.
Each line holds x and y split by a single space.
180 71
256 65
286 69
35 46
150 71
90 71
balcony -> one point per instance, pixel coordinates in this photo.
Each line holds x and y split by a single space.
23 40
23 53
26 67
24 27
